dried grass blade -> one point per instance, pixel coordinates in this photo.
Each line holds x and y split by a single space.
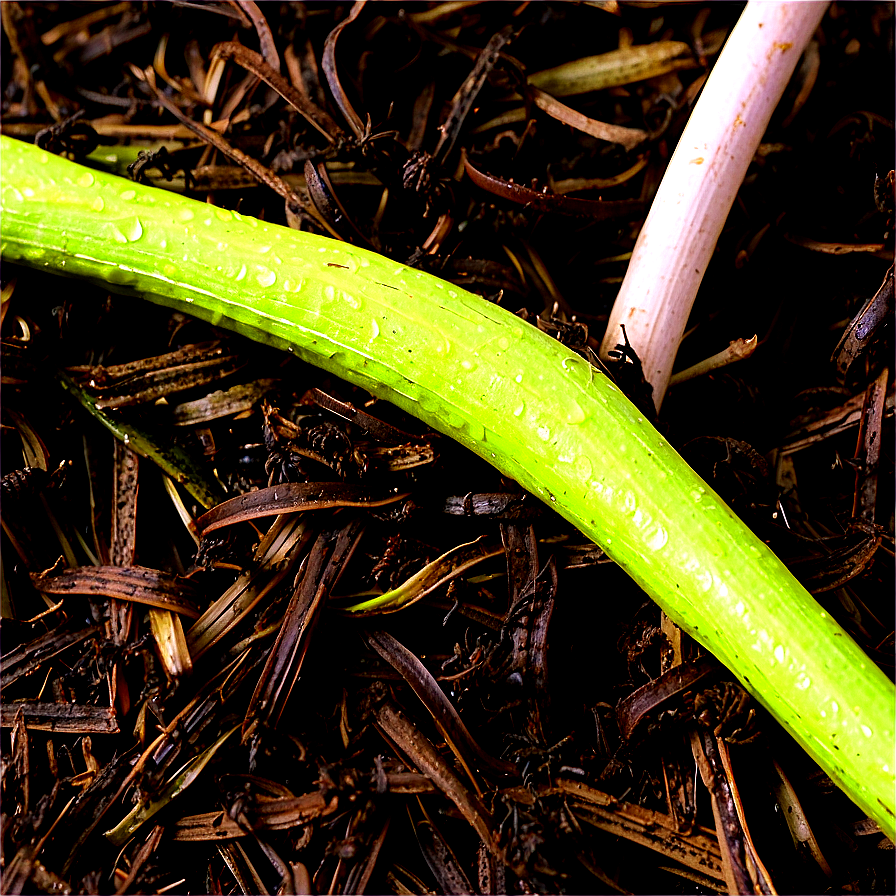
128 583
442 570
327 559
65 718
290 497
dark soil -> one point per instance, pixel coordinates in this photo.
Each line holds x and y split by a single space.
344 769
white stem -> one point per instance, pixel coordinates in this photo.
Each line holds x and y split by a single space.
703 177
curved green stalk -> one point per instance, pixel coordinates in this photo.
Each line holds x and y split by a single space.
519 399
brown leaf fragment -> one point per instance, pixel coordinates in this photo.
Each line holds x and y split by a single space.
378 429
331 210
261 173
634 708
411 742
129 583
849 558
66 718
698 850
795 817
223 403
290 497
395 458
253 62
810 431
728 827
240 865
597 210
499 505
277 814
618 67
143 855
328 64
575 184
456 734
265 37
147 380
828 248
867 456
154 802
446 869
124 511
465 98
627 138
327 558
283 813
761 879
440 571
275 558
29 657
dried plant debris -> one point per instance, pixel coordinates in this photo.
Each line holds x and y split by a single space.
262 633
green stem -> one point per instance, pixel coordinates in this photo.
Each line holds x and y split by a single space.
519 399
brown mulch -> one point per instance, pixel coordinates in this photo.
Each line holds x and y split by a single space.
188 706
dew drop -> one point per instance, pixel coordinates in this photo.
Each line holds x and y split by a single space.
14 194
704 580
452 293
353 302
544 432
578 370
264 276
374 328
518 378
27 191
185 214
476 430
241 274
503 343
293 285
834 706
467 364
519 409
867 731
779 653
86 180
128 195
574 413
739 608
133 230
118 236
696 495
803 681
584 467
222 214
329 293
656 539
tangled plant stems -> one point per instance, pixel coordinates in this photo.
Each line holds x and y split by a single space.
528 405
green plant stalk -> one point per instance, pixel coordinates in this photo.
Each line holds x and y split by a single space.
534 409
